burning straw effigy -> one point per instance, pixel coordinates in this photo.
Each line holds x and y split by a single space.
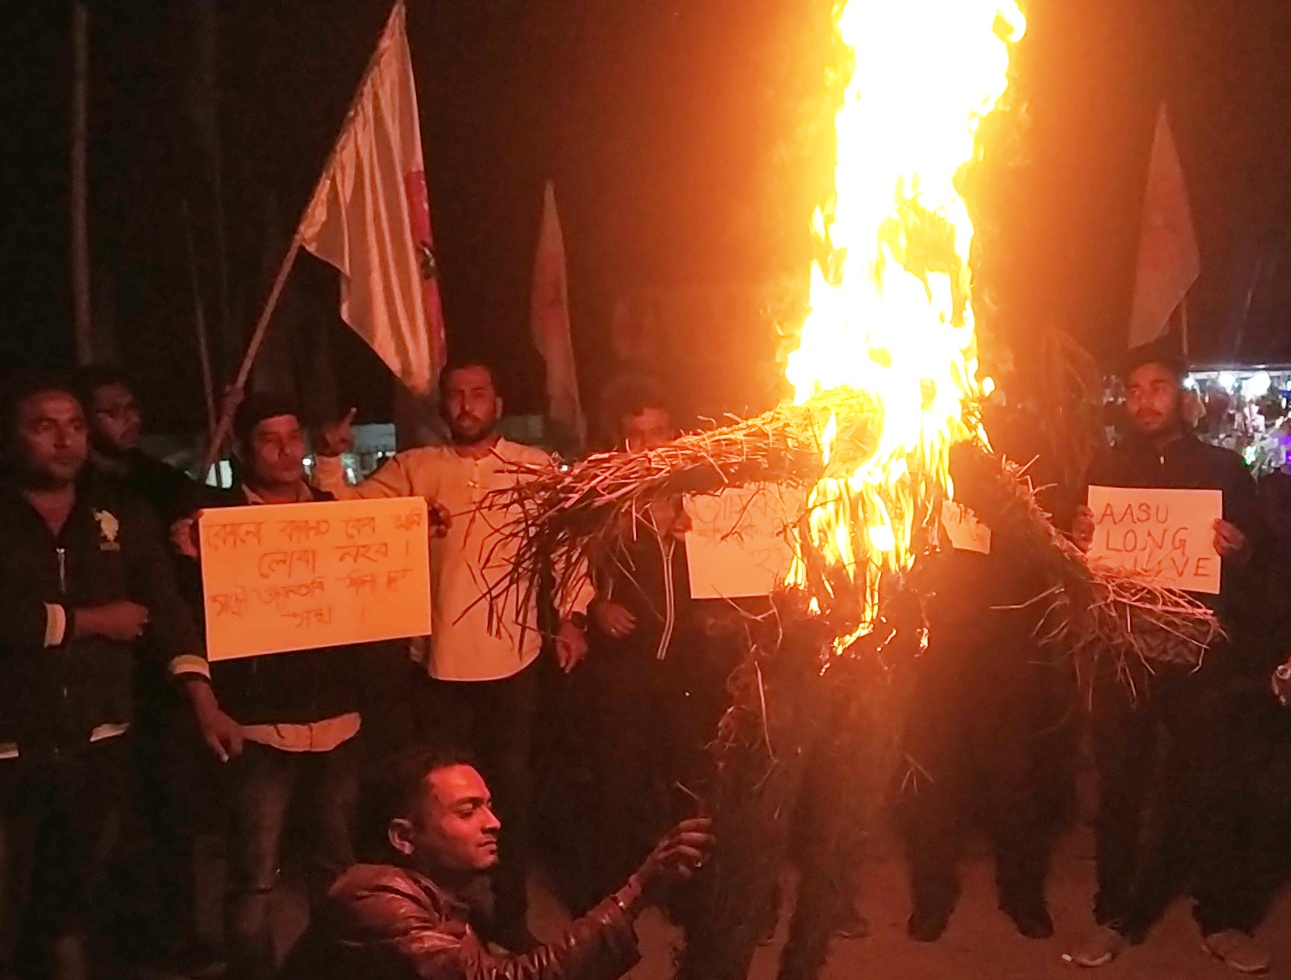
807 718
881 432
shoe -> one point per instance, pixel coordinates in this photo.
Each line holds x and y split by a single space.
1238 950
927 923
1031 918
1098 949
852 923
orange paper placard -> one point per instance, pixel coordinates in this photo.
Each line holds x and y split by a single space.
297 576
1169 534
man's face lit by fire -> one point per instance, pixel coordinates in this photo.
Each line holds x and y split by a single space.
452 830
649 428
1153 400
275 454
471 405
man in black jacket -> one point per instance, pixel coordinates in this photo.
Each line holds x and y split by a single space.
299 714
175 788
115 420
84 574
1203 798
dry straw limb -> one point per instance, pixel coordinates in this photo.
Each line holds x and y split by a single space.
564 518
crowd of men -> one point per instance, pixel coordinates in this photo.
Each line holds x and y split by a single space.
398 777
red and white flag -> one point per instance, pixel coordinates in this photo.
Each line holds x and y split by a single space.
549 317
1169 261
370 218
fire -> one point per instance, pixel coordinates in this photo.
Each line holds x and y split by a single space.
891 316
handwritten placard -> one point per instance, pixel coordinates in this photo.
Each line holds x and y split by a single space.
1169 534
964 530
297 576
741 542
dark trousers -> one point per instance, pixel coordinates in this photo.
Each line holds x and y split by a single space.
649 721
1179 805
59 819
494 721
986 726
176 800
320 788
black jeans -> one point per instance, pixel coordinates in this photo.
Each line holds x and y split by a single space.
59 819
493 720
986 718
1178 806
264 784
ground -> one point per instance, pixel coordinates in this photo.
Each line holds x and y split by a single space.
981 943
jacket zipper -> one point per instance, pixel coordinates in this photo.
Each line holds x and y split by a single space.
62 570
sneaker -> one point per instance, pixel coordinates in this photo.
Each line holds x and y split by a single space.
927 923
1099 949
1238 950
852 923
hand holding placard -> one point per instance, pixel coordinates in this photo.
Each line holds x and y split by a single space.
1166 533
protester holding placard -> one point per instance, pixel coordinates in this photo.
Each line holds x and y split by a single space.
84 575
1204 788
482 690
298 715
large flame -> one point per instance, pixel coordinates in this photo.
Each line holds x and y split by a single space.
890 313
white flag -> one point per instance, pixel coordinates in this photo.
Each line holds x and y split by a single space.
370 218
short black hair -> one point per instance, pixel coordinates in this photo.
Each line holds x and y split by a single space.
91 377
625 396
459 364
254 409
1163 353
25 386
396 787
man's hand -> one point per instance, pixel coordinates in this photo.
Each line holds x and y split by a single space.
222 734
336 437
571 645
1229 539
184 538
440 519
1281 683
614 620
122 620
1082 528
677 857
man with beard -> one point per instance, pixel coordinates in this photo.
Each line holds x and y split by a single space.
434 833
1181 731
84 576
116 431
483 678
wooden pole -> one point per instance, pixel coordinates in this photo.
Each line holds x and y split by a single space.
79 204
199 324
239 385
235 391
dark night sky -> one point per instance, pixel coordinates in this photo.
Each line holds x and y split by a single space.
660 122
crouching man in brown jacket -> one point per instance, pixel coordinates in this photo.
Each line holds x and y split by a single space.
409 919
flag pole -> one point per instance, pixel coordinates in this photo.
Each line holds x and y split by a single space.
235 391
199 325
